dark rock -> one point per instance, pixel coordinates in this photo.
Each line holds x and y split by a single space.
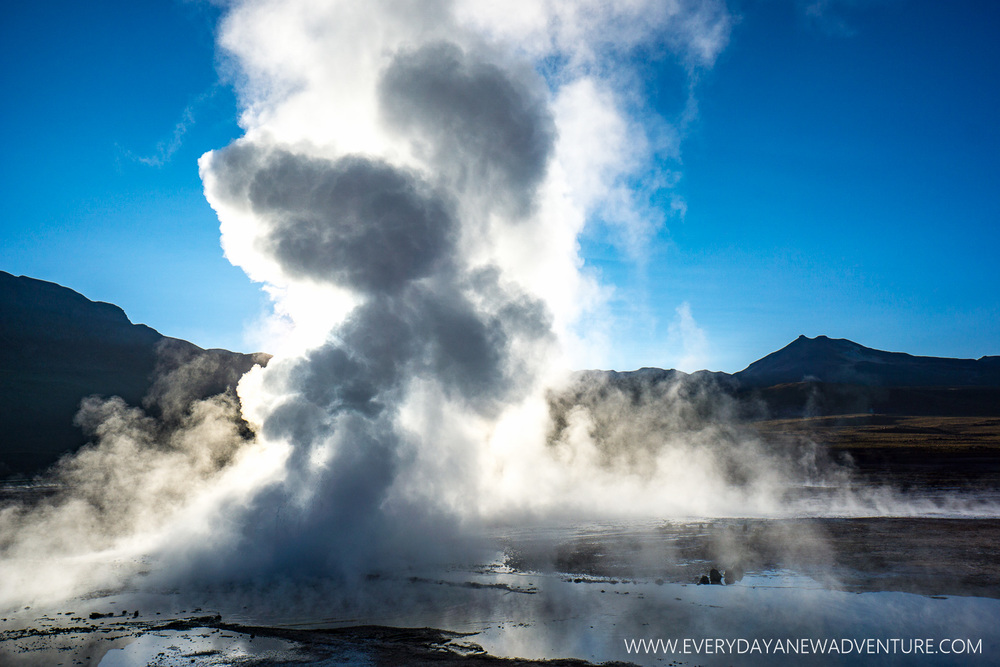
703 581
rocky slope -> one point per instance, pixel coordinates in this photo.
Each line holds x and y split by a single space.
58 347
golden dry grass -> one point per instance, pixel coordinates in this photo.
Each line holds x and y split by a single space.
889 431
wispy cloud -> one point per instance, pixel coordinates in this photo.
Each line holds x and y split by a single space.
165 149
826 16
690 339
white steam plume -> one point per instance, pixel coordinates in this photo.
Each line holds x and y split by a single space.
411 188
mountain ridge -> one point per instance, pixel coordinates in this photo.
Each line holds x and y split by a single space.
842 361
822 376
57 347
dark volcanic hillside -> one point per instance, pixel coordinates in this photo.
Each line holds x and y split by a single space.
840 361
815 377
57 347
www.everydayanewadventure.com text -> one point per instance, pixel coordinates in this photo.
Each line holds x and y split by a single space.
802 645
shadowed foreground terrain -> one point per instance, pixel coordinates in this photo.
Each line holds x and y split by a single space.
209 640
572 594
925 556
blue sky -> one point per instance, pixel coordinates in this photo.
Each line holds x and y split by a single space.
92 89
840 178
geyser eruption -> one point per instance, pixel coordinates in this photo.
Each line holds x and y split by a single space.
384 420
409 170
428 328
410 187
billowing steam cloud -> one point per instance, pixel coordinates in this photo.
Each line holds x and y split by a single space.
426 323
414 168
410 187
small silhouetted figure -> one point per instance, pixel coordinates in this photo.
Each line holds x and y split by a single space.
715 576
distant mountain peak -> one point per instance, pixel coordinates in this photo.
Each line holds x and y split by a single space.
822 340
842 361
